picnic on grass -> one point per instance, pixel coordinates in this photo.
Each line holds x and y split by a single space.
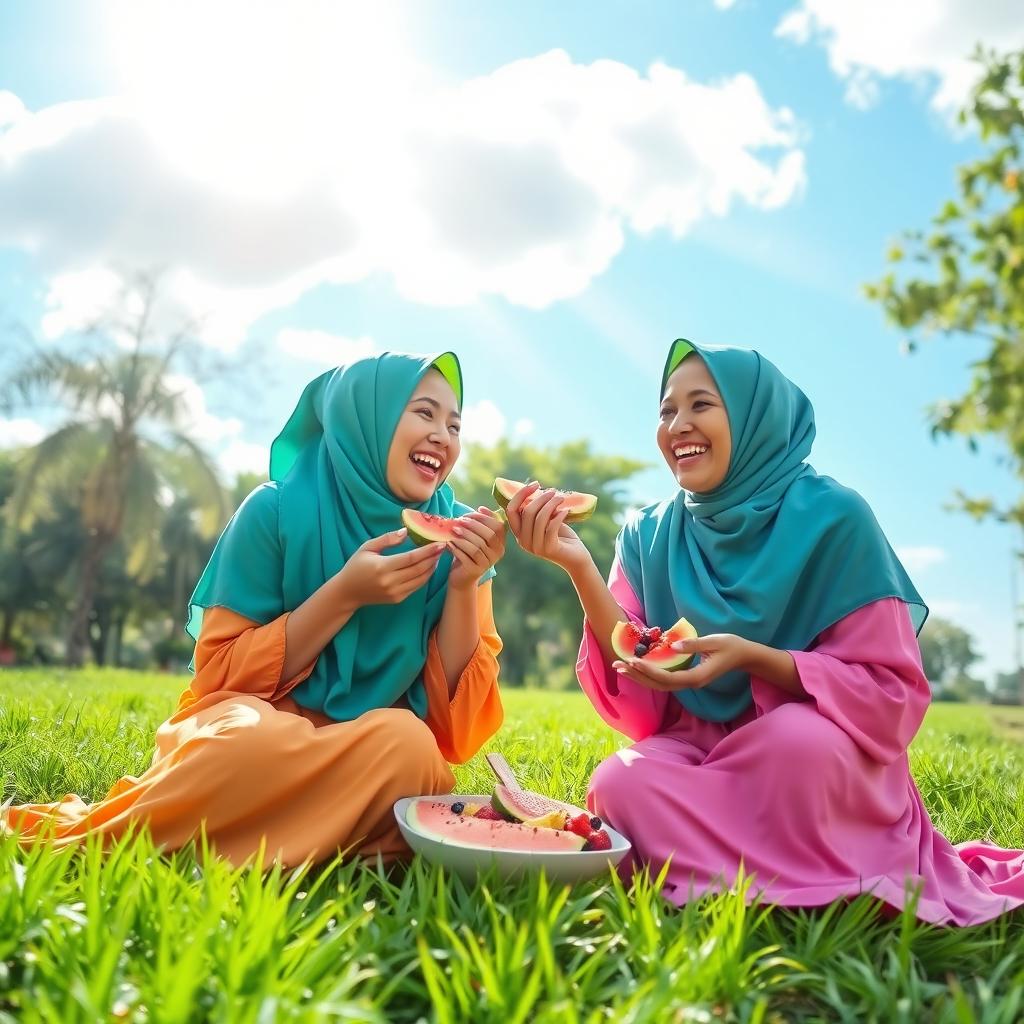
511 513
756 641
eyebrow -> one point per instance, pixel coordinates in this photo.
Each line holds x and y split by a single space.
436 404
692 394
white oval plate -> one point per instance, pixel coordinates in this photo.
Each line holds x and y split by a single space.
466 861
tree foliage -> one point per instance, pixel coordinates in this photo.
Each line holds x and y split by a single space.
535 606
964 276
124 445
947 652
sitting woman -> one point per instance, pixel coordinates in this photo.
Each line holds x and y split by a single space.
783 753
331 678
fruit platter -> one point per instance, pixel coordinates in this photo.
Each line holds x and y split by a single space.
512 830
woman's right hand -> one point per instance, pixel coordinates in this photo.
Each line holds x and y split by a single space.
370 577
540 529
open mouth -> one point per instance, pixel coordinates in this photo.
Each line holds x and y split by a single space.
427 465
688 454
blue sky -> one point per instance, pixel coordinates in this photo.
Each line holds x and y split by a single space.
555 191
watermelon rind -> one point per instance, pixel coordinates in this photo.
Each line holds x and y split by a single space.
521 805
426 529
585 504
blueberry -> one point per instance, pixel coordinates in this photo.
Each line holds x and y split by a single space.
458 807
640 650
595 824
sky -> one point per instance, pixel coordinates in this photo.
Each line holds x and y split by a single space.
554 191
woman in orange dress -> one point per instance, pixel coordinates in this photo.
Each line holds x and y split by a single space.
337 667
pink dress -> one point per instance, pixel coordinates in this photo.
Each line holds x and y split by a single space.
814 797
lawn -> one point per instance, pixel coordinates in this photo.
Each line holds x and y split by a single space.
133 936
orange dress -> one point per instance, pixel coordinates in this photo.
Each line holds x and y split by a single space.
242 759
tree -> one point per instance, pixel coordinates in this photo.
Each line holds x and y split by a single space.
125 444
535 606
947 652
1006 689
19 586
973 258
244 484
36 566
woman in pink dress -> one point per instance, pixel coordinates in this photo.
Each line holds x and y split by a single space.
781 753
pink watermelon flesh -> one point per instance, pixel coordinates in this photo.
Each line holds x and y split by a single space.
424 528
581 506
436 820
626 636
522 805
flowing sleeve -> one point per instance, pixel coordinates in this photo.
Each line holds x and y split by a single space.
463 723
246 569
634 710
865 674
238 655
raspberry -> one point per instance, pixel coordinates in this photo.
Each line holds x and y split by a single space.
488 814
580 825
599 840
655 634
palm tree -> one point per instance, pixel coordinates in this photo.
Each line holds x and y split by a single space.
123 450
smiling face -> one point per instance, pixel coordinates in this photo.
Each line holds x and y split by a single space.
426 444
693 428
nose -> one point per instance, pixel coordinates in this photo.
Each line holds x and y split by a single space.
680 424
439 435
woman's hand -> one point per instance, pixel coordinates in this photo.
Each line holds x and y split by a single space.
478 543
719 653
370 577
540 529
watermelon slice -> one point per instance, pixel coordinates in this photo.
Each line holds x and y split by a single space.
652 645
427 529
581 506
521 804
436 820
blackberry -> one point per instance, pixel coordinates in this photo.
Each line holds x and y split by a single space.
595 824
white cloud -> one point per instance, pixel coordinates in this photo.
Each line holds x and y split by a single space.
77 299
203 425
724 5
11 108
482 423
523 427
521 183
323 347
18 433
244 457
920 558
929 40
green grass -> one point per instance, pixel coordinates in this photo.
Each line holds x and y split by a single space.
129 935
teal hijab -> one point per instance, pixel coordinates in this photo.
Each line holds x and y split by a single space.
327 495
776 553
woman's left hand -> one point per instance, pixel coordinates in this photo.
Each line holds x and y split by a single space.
478 543
719 653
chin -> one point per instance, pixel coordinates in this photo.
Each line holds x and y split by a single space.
693 486
421 491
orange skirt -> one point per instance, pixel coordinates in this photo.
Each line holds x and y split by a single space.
243 762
